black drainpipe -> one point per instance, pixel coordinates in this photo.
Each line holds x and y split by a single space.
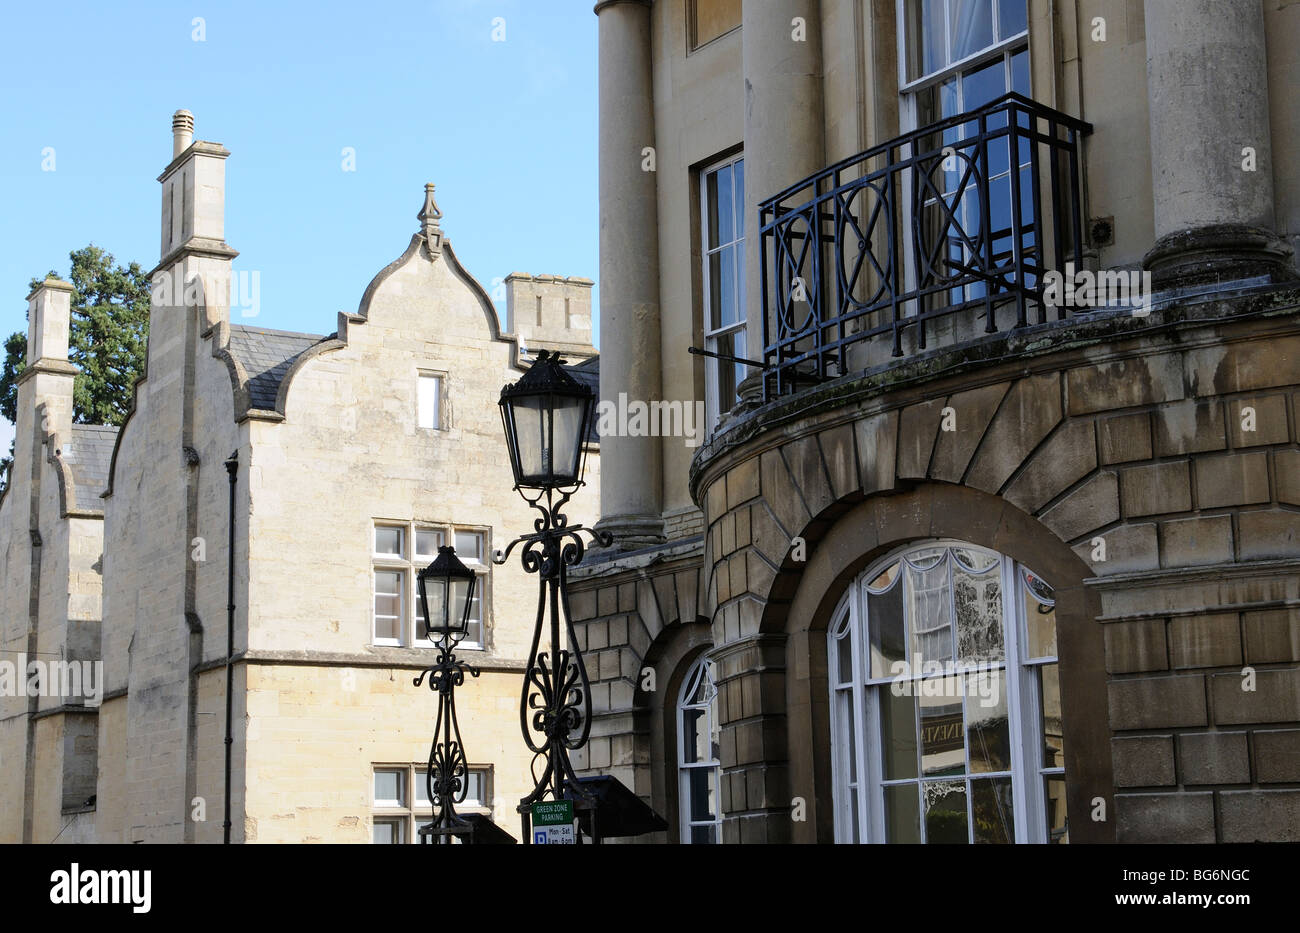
232 467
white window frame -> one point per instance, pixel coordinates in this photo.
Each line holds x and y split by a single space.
439 407
389 563
1021 676
408 564
909 93
701 668
713 403
410 814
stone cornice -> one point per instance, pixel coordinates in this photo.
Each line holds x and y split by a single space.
196 246
1188 322
602 4
652 561
47 366
57 285
198 147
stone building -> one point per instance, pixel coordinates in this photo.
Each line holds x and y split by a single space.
996 531
355 455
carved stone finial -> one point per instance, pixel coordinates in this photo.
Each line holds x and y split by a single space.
429 216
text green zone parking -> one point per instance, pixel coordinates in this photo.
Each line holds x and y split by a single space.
552 822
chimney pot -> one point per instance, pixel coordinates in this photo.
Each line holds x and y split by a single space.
182 131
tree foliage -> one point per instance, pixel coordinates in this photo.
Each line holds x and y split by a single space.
107 339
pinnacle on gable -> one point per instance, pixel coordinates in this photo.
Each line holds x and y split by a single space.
429 228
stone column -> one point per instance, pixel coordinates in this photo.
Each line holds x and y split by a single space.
784 129
1207 84
631 481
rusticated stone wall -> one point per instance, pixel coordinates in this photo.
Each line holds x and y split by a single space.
1146 467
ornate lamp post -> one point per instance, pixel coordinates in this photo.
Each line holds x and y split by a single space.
446 593
547 415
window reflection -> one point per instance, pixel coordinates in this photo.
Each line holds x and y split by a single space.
950 753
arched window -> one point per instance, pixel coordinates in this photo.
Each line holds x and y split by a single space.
945 701
698 768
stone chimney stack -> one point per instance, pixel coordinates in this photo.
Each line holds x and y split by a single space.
550 312
44 405
49 320
193 234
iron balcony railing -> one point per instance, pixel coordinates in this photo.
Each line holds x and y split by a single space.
927 240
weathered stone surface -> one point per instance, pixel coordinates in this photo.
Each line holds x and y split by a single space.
1277 756
768 536
727 533
1165 818
742 527
1189 426
1269 417
1268 534
1142 380
1243 367
1028 413
917 428
1276 697
781 495
1136 646
582 604
715 499
1067 457
1207 641
1286 468
1125 437
742 484
1143 761
1272 635
972 412
841 460
1232 479
1213 758
606 600
759 572
1031 409
1129 548
877 438
1260 815
1192 542
1092 505
1156 489
686 582
803 457
1157 702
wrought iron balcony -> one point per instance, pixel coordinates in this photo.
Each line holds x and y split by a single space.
930 239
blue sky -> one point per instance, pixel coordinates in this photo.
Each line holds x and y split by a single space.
421 91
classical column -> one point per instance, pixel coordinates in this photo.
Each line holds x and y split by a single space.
631 468
1211 160
784 129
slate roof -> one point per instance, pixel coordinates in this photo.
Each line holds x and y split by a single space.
588 373
266 356
88 457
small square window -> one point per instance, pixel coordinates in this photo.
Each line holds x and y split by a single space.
389 788
429 392
427 543
388 541
469 545
389 832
